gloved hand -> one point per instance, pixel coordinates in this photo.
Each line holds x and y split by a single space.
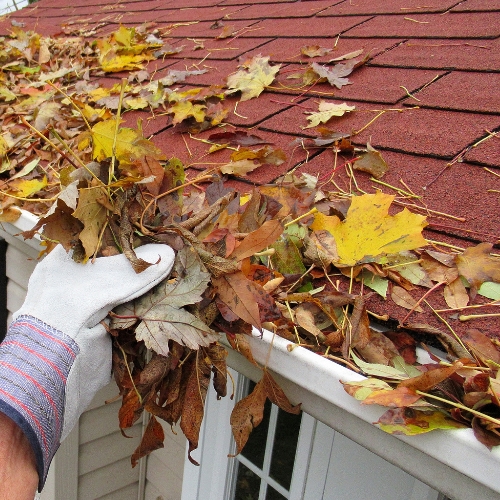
56 354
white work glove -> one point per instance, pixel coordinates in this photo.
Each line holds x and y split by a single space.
56 354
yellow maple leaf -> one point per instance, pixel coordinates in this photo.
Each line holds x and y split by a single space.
253 79
185 109
130 144
368 231
26 188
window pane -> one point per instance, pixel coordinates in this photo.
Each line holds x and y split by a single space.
256 445
273 494
285 445
247 484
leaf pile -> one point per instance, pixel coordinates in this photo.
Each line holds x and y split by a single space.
278 257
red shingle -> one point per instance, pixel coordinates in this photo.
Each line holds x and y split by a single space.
478 55
368 84
425 132
481 25
487 153
305 27
477 6
453 91
282 10
370 7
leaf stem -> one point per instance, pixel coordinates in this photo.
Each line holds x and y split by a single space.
464 317
419 301
124 354
310 212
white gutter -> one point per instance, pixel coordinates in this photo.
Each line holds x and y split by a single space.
452 462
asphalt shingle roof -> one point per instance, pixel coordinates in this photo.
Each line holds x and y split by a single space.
442 56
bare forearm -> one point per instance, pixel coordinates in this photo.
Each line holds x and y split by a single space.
18 475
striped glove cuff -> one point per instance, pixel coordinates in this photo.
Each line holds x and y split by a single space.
35 360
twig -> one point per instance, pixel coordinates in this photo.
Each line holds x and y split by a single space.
419 301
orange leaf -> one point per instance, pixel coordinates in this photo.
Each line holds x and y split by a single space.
152 440
394 398
259 239
430 378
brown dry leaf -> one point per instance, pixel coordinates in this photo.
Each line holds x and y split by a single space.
240 167
481 346
436 269
194 402
403 299
239 294
379 349
477 266
239 342
275 393
93 214
247 414
336 75
314 51
151 440
431 378
371 162
360 327
258 240
218 355
455 294
305 316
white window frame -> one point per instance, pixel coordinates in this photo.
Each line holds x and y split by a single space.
316 469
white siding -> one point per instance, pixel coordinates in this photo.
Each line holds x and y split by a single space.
165 467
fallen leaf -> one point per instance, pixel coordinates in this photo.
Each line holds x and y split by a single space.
361 389
314 51
258 240
403 299
93 216
336 75
477 266
378 370
349 55
194 402
455 294
393 398
326 111
372 163
481 346
431 378
369 232
410 422
253 79
237 138
277 396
